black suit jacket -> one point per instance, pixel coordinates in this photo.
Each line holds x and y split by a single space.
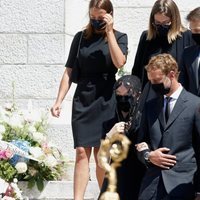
181 135
189 69
149 48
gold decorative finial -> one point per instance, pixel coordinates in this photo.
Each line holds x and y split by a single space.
115 149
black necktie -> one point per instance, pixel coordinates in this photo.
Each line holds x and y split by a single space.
167 108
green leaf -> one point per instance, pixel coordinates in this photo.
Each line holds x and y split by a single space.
40 184
31 183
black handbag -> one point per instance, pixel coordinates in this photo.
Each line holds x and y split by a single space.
75 74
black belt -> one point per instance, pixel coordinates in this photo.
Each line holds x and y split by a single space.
104 76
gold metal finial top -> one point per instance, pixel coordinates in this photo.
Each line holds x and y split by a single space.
114 149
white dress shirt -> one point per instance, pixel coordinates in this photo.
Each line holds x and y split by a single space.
174 98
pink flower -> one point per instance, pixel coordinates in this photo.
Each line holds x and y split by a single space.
9 154
5 154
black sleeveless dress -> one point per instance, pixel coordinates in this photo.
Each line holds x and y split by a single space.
93 102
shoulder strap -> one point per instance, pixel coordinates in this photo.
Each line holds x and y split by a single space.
79 44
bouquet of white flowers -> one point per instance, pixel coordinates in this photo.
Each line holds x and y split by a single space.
25 153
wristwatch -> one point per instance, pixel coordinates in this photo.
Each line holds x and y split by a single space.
146 156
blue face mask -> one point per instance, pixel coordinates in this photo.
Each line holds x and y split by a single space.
97 24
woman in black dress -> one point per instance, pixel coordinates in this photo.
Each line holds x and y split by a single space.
101 51
126 121
165 34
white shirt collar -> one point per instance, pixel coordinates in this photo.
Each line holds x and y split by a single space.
176 94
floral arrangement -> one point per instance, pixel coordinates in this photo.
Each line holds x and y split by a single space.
25 153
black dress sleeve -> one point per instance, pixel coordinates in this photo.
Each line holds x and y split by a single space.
73 50
122 41
138 66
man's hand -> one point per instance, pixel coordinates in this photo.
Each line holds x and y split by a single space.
160 158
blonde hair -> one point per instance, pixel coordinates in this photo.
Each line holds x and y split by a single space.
165 62
169 9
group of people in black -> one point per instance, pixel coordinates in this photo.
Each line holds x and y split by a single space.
156 101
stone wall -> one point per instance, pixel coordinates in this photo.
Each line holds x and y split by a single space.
35 37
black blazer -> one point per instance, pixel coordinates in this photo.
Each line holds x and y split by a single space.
148 48
189 69
181 135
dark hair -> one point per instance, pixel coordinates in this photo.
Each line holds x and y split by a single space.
99 4
194 14
131 82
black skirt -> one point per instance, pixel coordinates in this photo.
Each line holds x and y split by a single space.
93 105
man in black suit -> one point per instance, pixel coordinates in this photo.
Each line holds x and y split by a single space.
190 68
172 131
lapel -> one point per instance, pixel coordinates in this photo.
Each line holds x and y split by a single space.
178 108
194 56
156 120
161 117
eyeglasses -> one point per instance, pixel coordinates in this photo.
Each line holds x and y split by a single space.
165 24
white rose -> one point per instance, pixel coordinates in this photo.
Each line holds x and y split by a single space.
31 129
3 186
50 161
28 117
39 137
16 121
36 152
21 167
2 130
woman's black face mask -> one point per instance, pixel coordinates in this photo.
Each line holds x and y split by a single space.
125 103
162 29
97 24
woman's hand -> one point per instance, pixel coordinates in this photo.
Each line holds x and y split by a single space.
109 22
117 128
55 110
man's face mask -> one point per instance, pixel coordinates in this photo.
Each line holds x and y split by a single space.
125 103
196 37
160 88
97 24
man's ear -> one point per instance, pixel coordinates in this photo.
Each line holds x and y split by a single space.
172 74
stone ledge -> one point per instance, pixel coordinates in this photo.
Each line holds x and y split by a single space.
59 190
